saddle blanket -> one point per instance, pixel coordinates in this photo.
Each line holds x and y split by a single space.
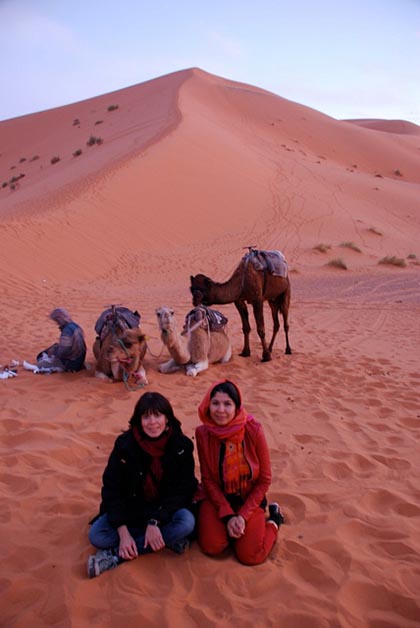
216 320
273 262
126 317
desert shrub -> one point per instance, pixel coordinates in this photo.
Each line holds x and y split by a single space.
22 159
98 122
113 107
94 140
322 248
375 231
54 159
338 262
4 184
16 178
77 152
392 260
34 158
350 245
76 122
412 256
398 173
379 176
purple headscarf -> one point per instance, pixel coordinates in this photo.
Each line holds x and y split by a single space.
60 316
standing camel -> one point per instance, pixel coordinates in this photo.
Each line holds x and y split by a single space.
248 285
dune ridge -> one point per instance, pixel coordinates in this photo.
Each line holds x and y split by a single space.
193 168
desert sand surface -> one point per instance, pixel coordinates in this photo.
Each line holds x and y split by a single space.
190 169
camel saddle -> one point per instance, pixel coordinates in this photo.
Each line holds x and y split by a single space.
272 262
216 321
123 319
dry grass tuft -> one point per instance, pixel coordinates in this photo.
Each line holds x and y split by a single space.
322 248
392 260
94 140
375 231
350 245
338 262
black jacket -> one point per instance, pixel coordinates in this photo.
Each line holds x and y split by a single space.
122 492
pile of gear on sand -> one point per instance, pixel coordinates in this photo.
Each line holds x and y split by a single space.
11 370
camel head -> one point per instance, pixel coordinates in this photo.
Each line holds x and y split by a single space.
200 289
166 319
126 353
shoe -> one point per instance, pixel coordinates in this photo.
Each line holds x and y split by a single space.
28 366
47 370
179 547
275 515
100 562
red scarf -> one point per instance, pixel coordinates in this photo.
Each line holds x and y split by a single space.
155 448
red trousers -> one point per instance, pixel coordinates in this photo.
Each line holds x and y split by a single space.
251 549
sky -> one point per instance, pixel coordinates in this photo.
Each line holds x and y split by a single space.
354 59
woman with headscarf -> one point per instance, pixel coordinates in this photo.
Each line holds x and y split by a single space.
235 476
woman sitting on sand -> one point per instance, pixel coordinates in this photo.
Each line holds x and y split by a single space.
148 487
235 474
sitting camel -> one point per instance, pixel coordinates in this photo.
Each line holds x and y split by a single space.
197 346
126 354
110 327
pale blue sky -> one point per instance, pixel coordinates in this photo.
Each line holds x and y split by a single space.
355 59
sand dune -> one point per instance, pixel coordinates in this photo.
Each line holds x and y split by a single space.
191 169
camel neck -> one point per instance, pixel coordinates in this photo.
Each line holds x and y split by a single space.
229 291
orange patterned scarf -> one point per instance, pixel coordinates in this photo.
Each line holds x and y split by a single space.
236 470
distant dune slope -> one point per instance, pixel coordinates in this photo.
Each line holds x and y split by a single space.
198 160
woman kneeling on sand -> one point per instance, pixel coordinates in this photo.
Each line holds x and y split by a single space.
235 474
148 487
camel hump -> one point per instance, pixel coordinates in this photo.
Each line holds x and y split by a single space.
216 321
273 262
123 318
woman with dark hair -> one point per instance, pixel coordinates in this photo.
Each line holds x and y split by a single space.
148 487
235 475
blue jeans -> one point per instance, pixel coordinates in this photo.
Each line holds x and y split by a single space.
104 536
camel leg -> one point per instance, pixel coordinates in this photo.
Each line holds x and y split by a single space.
169 367
259 319
194 369
103 376
284 309
246 327
227 355
140 376
276 324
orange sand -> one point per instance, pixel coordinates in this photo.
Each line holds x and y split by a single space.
193 168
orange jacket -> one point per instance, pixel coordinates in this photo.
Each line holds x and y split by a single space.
258 457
